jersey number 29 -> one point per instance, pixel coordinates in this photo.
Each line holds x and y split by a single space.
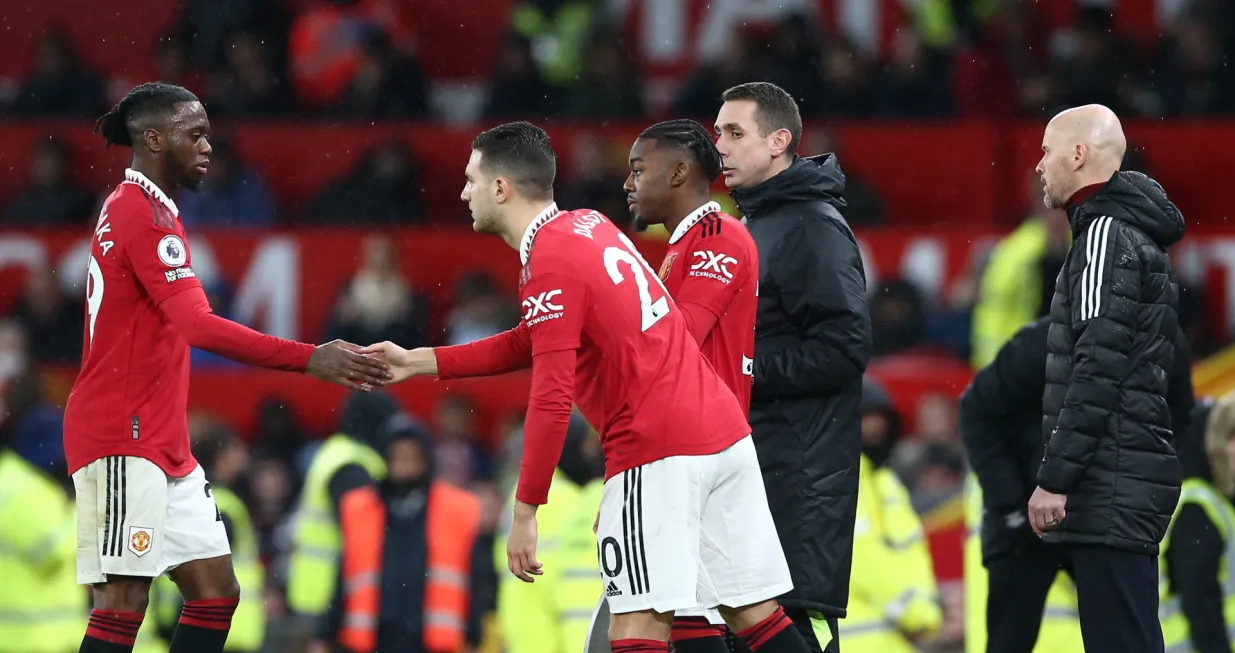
652 311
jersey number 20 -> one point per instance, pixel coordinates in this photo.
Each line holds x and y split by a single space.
652 311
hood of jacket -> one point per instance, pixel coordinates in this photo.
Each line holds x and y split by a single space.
1137 200
807 179
876 400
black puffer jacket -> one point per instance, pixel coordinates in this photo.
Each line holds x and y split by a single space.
1001 426
812 343
1105 416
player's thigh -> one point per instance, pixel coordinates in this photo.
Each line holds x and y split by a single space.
711 614
648 536
121 505
197 554
739 547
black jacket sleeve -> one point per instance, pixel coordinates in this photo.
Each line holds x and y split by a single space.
1180 398
483 587
822 288
1195 558
1103 305
991 409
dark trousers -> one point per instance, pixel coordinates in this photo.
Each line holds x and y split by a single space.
1117 596
1017 587
802 621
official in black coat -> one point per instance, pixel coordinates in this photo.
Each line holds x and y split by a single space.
812 344
1109 479
1001 426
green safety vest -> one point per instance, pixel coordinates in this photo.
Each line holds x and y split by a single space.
248 631
1174 624
317 544
553 614
42 608
1060 631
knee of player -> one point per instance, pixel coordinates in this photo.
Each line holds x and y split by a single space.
123 595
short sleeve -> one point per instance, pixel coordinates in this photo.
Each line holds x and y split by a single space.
555 306
717 268
157 250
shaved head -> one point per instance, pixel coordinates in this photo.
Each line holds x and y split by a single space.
1080 147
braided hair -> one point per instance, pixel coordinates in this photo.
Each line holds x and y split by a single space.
118 126
692 138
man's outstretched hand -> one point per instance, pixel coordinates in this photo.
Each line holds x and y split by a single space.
345 364
403 363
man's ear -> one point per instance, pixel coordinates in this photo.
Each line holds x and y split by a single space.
1080 155
780 141
503 192
153 140
681 170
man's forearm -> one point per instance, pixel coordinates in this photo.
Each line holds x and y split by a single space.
808 369
508 351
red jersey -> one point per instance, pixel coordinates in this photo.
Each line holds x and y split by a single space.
636 373
712 270
144 306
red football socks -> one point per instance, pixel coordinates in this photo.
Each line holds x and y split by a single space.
111 631
638 646
203 626
775 634
697 635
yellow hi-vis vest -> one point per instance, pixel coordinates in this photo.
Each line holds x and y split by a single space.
1175 630
892 588
42 608
1061 626
552 615
248 631
316 544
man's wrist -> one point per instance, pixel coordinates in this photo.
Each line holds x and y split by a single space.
525 509
425 361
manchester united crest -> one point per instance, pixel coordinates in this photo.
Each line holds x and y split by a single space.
667 266
139 540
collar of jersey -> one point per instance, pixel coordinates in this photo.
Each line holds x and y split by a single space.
133 176
543 218
692 220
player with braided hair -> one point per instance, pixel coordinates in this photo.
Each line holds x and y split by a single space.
144 507
711 269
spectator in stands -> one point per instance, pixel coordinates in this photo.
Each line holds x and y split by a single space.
378 303
517 88
1193 77
793 58
863 205
480 310
383 189
458 455
1019 281
898 316
387 84
53 320
842 88
247 84
171 60
1096 65
206 28
327 41
51 197
700 91
35 425
597 179
14 350
610 86
232 195
560 31
279 435
916 81
61 84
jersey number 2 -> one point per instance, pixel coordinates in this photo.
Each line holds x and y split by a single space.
652 311
94 294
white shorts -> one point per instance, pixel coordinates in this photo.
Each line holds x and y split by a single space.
690 532
134 520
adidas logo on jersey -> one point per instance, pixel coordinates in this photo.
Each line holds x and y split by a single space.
612 590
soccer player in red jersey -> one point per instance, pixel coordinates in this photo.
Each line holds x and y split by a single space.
683 519
712 271
143 504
